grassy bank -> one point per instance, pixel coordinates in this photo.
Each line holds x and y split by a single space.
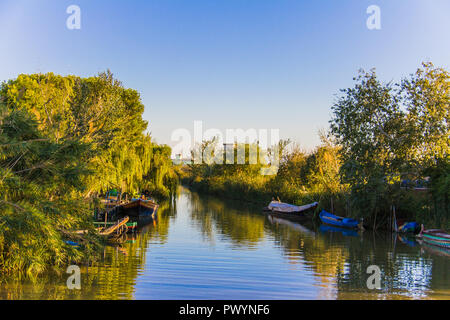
412 205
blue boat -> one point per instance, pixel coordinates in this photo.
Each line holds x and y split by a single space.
409 227
332 220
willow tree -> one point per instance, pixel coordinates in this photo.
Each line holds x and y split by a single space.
97 111
62 138
39 182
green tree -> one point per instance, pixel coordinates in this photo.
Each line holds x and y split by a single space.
97 111
389 133
39 184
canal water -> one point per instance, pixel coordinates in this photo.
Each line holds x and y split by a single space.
202 247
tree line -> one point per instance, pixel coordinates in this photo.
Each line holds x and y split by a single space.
384 141
64 141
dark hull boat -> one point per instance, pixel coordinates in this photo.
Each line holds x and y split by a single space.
336 221
141 211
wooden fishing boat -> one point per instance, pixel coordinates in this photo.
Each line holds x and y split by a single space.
139 210
435 237
336 221
289 211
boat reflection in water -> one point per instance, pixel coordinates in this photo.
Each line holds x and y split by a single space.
409 240
273 219
444 252
346 232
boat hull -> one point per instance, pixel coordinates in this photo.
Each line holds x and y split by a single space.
139 211
336 221
291 212
287 208
437 238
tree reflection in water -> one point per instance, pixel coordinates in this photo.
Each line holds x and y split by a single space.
339 260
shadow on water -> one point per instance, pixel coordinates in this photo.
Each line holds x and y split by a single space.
202 247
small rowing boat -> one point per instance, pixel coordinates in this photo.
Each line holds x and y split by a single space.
281 207
332 220
435 237
289 211
409 227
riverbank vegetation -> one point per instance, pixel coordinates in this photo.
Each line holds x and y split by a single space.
385 141
65 140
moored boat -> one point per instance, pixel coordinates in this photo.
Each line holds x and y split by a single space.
115 230
281 207
333 220
409 227
131 225
435 237
139 210
289 211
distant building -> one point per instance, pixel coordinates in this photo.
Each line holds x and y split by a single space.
180 161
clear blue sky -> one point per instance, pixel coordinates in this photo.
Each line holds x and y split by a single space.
230 63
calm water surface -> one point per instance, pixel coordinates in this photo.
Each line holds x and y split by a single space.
205 248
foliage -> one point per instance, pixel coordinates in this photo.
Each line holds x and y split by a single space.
388 134
97 111
301 177
380 135
37 209
62 141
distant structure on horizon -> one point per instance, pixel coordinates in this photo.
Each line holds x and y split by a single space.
179 160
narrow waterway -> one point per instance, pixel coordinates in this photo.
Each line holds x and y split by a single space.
205 248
